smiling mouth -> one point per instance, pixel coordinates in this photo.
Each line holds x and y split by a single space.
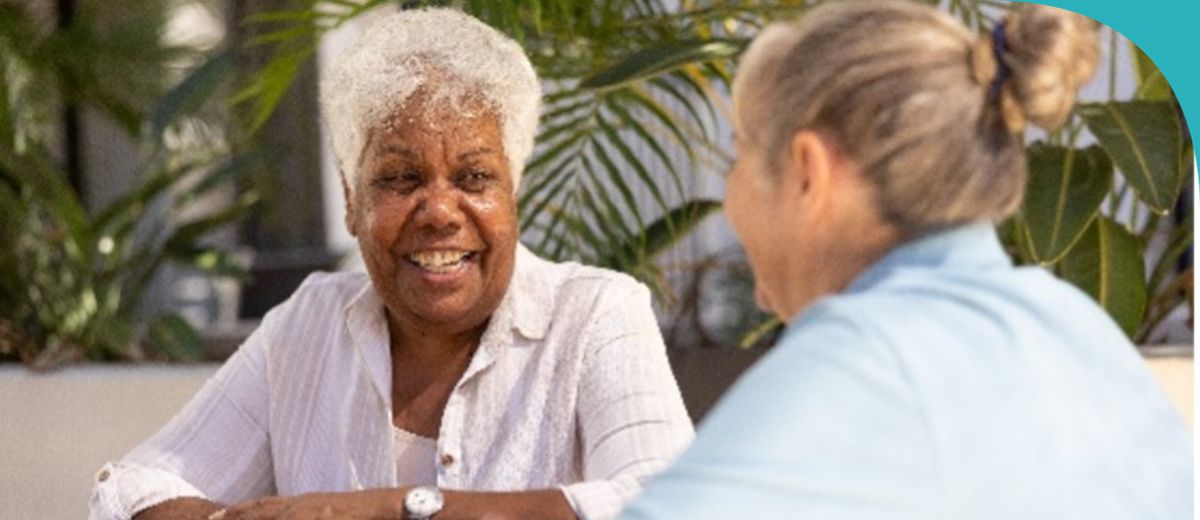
441 262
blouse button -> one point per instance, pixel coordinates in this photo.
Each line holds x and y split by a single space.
447 459
103 475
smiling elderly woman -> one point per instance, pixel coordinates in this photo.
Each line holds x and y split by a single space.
464 376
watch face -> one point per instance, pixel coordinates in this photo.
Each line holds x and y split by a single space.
423 502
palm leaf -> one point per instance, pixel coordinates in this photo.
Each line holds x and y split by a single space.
190 93
665 232
647 63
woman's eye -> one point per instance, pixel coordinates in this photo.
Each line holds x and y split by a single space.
400 181
475 180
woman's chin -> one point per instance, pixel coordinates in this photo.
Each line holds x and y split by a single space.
449 313
457 303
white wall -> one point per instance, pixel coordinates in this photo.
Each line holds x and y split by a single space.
60 428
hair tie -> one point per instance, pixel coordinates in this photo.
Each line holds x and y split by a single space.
999 48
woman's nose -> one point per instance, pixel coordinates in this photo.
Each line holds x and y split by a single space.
439 210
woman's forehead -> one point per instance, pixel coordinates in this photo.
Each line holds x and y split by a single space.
464 127
441 110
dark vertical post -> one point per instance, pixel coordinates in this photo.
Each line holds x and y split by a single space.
71 128
288 232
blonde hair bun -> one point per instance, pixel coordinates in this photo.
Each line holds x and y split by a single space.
921 103
1051 53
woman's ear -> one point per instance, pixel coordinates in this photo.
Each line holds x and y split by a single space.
808 174
351 206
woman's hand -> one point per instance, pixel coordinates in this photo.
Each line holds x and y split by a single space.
361 505
387 504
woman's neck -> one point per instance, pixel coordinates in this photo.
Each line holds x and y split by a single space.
430 345
427 364
833 266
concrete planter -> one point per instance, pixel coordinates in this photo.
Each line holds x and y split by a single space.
60 427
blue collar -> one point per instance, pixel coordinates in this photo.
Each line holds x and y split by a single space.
967 247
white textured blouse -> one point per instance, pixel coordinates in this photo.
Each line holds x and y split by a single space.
416 458
569 388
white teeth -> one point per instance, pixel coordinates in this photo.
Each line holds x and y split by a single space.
439 261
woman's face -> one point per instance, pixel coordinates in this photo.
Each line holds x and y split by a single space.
435 215
751 204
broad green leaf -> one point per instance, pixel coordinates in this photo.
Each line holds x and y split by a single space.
1015 239
653 61
173 336
1063 193
1107 263
1144 140
191 92
1152 85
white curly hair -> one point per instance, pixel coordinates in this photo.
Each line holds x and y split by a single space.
449 53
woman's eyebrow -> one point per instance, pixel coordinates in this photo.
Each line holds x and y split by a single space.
483 150
399 149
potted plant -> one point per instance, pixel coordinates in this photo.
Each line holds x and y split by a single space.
72 278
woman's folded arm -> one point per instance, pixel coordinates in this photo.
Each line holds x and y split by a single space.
215 448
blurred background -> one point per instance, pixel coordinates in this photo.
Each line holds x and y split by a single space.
165 180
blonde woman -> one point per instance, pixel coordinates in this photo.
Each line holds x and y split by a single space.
922 375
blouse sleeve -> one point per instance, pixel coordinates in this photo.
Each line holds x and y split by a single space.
216 447
632 420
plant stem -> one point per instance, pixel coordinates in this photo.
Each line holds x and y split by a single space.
1112 65
1165 303
1180 241
759 332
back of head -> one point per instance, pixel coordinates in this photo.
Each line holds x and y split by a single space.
447 55
922 105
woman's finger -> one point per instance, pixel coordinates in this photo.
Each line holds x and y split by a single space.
261 509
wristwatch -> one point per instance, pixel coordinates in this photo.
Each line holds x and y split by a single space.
422 502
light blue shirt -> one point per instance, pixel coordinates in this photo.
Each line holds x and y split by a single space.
942 384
